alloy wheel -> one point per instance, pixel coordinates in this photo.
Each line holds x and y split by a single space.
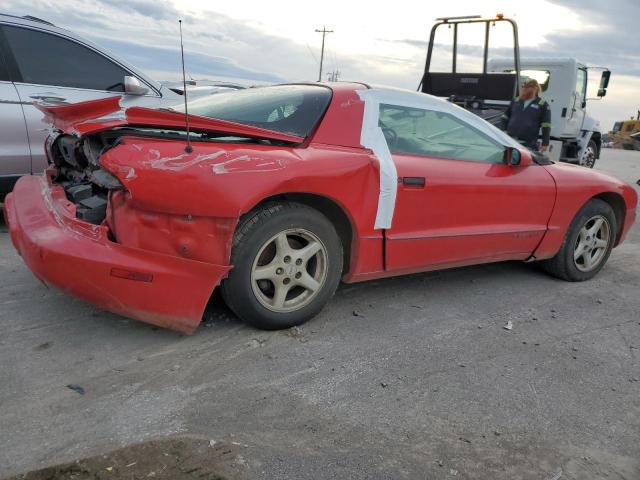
289 270
592 243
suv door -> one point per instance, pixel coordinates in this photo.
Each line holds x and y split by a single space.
15 158
54 69
457 202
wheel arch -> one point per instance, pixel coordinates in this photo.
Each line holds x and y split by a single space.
329 207
616 202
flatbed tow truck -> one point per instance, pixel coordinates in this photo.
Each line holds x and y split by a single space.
576 137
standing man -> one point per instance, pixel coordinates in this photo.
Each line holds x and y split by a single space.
526 116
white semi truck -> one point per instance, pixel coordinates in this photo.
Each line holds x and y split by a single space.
575 136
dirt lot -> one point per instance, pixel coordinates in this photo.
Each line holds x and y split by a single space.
175 458
412 377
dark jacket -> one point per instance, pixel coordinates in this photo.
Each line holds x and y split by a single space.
523 124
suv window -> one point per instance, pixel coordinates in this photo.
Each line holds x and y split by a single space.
436 134
292 109
47 59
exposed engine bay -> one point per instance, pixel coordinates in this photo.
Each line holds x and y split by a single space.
79 173
88 185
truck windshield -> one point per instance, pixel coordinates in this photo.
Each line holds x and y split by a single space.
294 109
541 76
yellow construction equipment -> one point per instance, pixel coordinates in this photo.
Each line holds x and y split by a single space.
626 134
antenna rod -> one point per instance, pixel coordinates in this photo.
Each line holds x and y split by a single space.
188 148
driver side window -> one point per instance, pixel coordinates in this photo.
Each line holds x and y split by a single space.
429 133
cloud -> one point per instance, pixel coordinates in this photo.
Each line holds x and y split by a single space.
145 32
148 8
198 65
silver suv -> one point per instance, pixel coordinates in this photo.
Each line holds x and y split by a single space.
42 63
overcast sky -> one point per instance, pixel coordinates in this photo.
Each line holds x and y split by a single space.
271 41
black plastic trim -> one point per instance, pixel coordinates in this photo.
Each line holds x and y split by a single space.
413 181
11 65
6 184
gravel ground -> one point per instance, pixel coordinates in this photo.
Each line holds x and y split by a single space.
412 377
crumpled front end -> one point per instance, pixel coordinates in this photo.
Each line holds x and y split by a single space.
126 219
81 258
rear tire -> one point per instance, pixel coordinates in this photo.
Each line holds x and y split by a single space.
287 262
587 243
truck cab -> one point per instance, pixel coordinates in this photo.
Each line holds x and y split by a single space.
576 136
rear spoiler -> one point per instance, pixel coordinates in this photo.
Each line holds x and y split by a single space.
95 116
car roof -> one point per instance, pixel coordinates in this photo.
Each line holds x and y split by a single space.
43 25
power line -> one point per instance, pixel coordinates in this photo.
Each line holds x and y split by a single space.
315 59
324 31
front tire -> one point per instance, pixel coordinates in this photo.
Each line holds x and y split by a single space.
287 262
590 154
587 243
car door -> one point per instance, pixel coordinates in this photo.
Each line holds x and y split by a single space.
15 157
53 69
457 201
578 111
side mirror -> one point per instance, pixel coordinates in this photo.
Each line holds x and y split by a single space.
604 83
512 156
133 86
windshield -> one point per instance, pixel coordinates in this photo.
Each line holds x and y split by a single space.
541 76
294 109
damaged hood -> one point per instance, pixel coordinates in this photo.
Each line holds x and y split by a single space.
98 115
157 173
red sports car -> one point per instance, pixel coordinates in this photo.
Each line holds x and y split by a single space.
278 193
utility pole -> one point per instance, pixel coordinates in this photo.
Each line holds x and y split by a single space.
324 31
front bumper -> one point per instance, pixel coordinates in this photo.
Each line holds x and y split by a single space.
78 258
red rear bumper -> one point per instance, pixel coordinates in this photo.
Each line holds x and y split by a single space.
78 258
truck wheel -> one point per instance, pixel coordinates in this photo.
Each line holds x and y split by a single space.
587 243
589 155
287 263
